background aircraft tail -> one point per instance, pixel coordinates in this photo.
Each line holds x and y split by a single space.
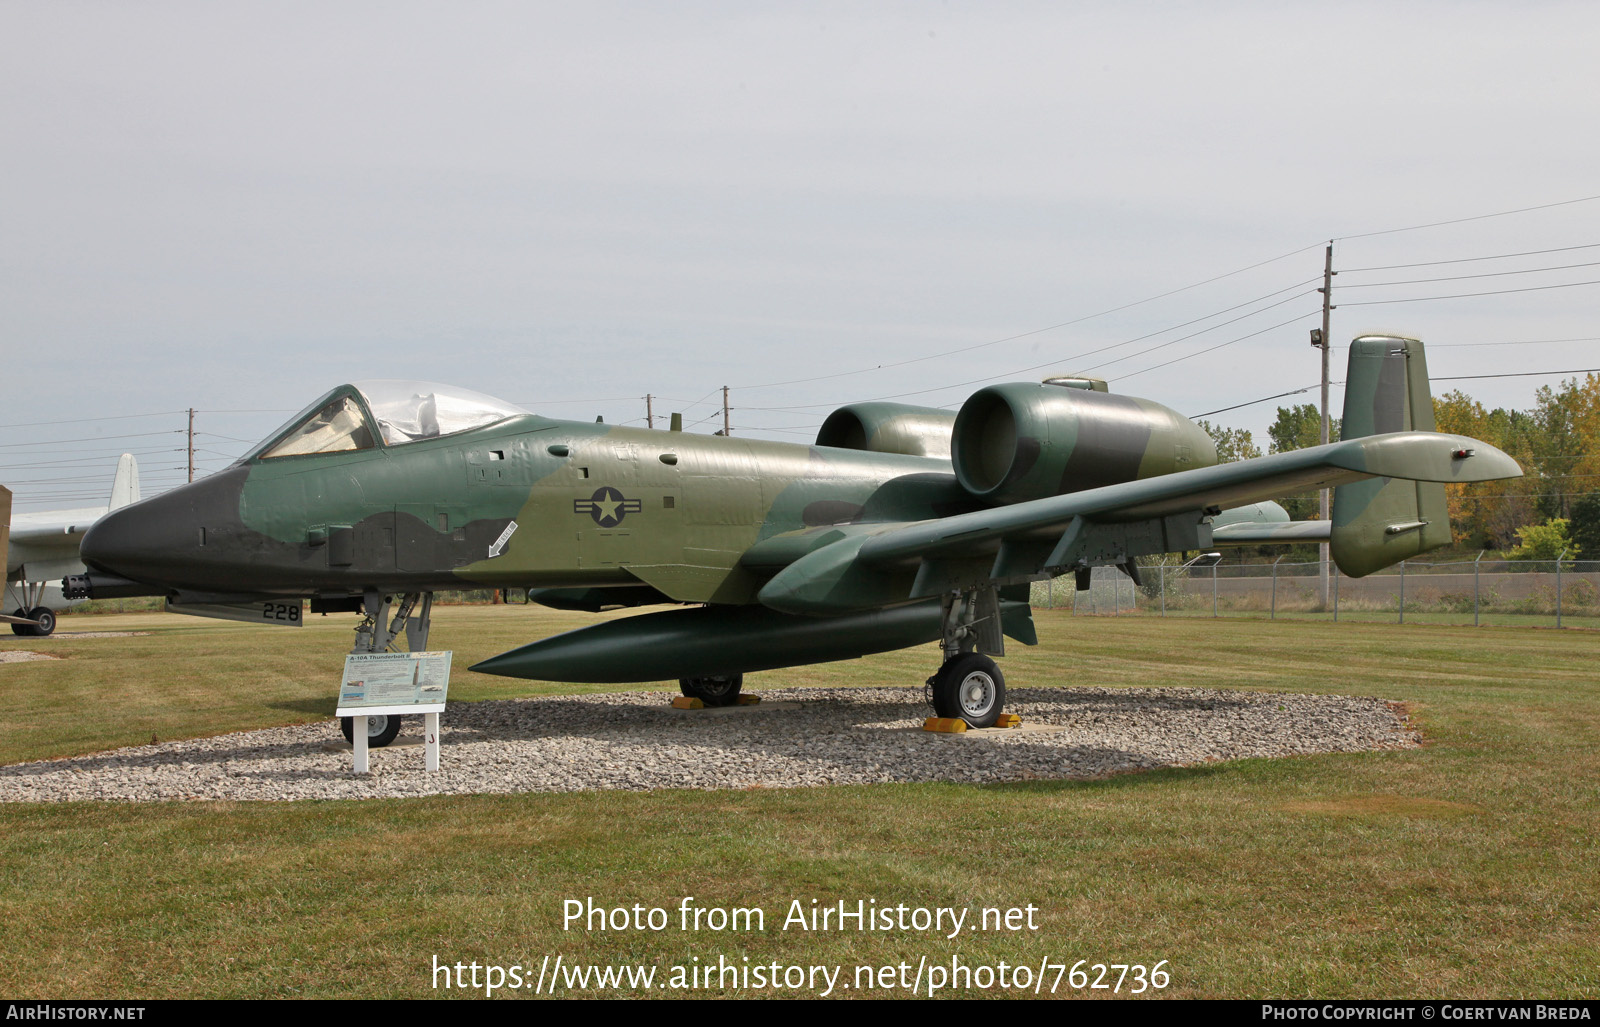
125 486
1381 521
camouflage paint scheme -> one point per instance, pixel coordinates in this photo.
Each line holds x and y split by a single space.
800 553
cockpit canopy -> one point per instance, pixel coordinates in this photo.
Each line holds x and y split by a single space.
384 412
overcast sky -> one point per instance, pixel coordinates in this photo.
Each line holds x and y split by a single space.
236 206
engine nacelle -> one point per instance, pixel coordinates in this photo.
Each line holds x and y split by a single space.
889 428
1021 441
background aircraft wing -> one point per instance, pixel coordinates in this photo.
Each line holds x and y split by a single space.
58 534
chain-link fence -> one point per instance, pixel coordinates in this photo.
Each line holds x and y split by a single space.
1562 593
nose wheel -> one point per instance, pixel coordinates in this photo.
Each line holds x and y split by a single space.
717 691
381 729
969 687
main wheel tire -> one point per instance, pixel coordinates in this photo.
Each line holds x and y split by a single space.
21 629
381 729
970 687
46 619
713 691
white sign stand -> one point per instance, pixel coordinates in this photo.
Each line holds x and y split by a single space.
358 730
394 684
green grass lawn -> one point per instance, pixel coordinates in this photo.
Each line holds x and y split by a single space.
1465 868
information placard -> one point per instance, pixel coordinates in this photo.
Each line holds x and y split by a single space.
394 683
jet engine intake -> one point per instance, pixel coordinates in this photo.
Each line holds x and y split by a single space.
888 428
1020 441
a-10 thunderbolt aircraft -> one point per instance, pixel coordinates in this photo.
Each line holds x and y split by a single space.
899 526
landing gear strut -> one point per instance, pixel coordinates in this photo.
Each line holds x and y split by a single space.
969 685
717 691
376 634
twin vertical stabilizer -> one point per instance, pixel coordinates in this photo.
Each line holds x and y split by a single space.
1381 521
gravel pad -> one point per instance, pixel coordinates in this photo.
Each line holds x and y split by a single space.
795 737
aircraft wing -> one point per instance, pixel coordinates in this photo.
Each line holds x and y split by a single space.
57 534
64 529
1115 523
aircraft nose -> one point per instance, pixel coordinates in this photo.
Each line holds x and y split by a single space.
158 540
135 541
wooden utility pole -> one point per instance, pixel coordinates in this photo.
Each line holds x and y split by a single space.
1325 343
191 443
726 428
649 411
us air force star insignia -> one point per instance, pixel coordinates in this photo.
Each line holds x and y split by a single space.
607 506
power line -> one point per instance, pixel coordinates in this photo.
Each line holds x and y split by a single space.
558 402
1518 342
1468 260
1462 278
1211 349
1253 402
95 438
281 410
1451 378
1467 295
1060 361
1500 497
1516 374
1461 221
79 420
230 438
1050 328
1185 338
1479 217
102 459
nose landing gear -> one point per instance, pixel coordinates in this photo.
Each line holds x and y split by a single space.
375 634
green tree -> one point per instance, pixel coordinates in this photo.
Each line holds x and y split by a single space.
1486 515
1300 427
1545 541
1586 524
1232 443
1566 442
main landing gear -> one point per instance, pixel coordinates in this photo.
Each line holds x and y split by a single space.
969 686
376 634
44 619
717 691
